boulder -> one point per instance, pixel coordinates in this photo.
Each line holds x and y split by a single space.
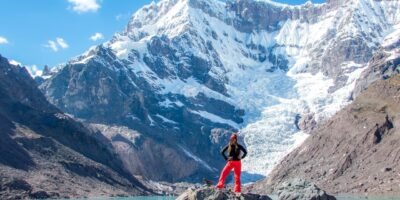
300 189
211 193
306 122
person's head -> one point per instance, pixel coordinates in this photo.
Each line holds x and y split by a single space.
233 139
233 142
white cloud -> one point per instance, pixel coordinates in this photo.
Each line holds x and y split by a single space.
82 6
52 45
57 44
3 40
97 36
61 42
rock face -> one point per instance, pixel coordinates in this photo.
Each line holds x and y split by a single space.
211 193
142 155
185 72
306 123
384 64
356 151
299 189
45 153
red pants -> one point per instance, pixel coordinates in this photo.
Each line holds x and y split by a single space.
237 168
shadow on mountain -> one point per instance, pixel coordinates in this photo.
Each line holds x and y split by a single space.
50 152
13 155
250 177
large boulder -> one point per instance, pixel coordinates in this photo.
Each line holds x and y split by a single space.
211 193
300 189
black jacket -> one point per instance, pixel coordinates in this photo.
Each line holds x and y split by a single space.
235 152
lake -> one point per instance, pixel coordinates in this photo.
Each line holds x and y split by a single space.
352 197
339 197
128 198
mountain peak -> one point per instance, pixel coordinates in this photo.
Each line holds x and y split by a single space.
166 14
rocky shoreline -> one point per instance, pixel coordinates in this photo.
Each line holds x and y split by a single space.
296 189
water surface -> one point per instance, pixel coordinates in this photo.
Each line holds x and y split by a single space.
274 197
130 198
354 197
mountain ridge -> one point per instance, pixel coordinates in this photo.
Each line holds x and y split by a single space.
46 154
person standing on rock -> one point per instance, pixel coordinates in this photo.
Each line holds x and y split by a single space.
234 162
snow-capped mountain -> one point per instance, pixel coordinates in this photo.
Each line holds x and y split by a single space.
186 72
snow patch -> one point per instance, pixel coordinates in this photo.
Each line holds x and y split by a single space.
215 118
194 157
34 71
166 120
14 62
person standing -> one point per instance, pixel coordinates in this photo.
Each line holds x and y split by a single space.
233 159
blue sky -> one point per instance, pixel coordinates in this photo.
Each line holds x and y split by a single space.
39 32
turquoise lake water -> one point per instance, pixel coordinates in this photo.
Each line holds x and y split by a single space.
339 197
128 198
352 197
344 197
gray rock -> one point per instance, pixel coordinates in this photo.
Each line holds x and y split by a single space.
211 193
299 189
379 68
306 122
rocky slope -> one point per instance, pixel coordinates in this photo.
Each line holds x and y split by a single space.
146 157
356 151
45 153
384 63
186 72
